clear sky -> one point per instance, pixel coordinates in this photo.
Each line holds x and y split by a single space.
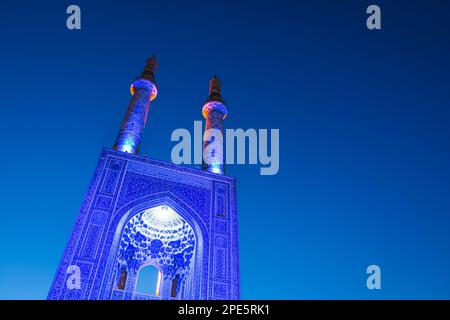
364 132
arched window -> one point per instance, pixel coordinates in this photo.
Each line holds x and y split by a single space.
149 280
175 286
122 278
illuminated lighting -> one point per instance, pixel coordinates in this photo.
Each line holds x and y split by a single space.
158 283
154 92
128 145
215 168
126 148
214 106
162 217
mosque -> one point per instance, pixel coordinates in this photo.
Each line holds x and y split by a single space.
152 230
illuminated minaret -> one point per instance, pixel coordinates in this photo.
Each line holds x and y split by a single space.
214 111
143 90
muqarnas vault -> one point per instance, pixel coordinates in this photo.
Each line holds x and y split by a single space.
149 229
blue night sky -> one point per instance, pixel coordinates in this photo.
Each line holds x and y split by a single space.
364 119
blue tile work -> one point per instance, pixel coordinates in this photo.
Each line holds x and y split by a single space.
122 188
170 244
129 137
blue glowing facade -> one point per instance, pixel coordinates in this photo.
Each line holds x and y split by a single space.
140 212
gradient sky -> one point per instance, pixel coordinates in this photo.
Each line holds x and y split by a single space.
363 115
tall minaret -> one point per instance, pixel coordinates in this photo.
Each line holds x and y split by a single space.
214 111
143 90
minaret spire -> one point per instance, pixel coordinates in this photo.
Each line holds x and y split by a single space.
215 111
143 90
150 68
214 89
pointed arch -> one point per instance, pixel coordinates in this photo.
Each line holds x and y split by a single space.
195 290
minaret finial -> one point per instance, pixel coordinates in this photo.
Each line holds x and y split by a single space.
214 89
150 69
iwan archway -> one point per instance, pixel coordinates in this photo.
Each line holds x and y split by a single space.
160 239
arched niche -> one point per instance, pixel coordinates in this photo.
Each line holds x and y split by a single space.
191 288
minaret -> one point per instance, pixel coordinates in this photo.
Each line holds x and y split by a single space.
143 90
214 111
